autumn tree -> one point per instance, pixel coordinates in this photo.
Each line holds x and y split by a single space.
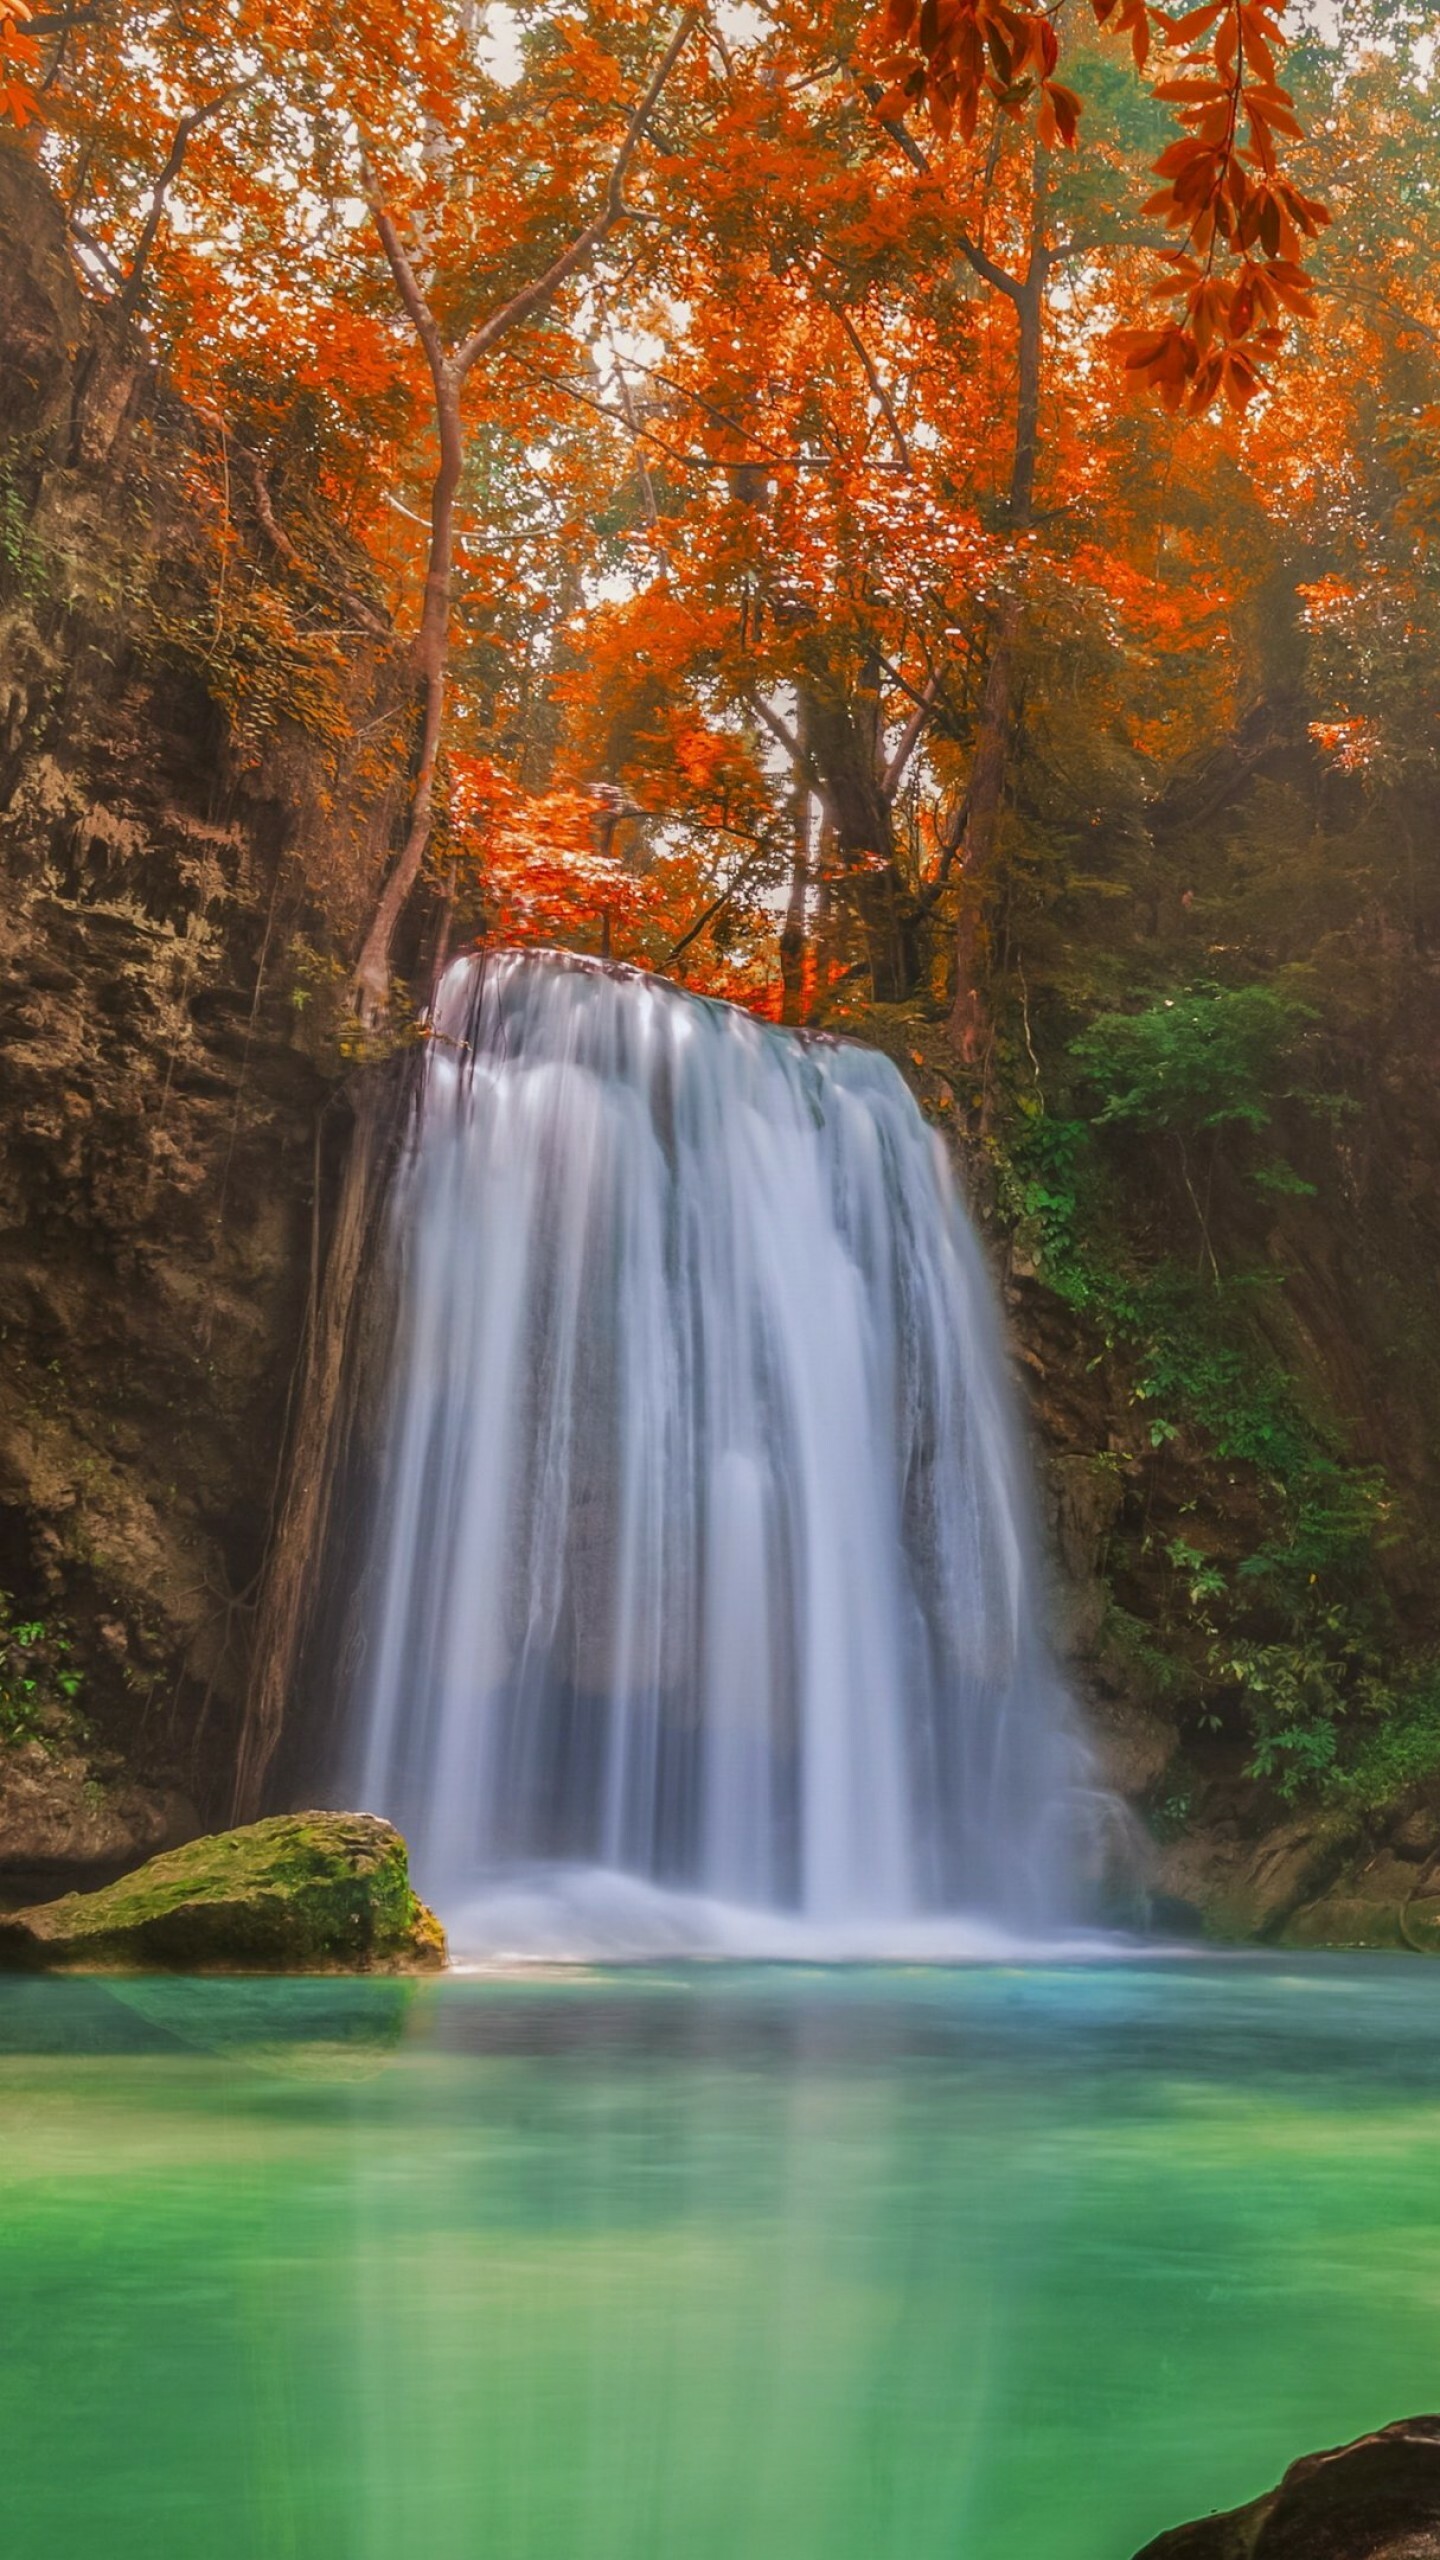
842 282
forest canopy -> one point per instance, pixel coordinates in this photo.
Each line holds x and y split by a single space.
738 410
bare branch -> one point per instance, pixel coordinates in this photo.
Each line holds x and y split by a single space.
738 886
636 427
984 265
647 486
1061 252
900 134
280 541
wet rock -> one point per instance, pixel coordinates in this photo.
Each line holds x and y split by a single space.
1292 1867
300 1893
1417 1833
1345 1920
65 1820
1388 1900
1085 1493
167 1146
1134 1745
1376 2499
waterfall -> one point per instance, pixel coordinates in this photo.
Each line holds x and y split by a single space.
702 1608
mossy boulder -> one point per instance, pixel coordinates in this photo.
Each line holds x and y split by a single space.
301 1893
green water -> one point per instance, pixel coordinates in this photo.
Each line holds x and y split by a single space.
715 2266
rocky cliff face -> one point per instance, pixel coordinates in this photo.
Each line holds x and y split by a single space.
175 701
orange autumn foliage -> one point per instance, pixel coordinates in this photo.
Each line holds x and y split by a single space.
828 422
1224 192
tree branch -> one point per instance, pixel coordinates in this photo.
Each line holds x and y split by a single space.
532 297
899 133
370 984
915 728
1062 251
407 283
980 259
636 427
984 265
698 400
188 125
931 894
877 387
280 541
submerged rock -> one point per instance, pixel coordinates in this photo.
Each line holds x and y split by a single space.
301 1893
1376 2499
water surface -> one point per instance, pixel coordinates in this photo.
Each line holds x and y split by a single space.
714 2265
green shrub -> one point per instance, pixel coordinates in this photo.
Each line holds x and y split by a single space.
39 1685
1211 1058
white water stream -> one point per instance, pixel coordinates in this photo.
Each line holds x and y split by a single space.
702 1607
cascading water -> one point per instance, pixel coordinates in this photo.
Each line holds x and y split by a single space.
702 1609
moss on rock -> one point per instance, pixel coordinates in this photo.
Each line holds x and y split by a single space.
300 1893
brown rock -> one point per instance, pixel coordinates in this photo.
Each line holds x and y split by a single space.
1375 2499
62 1822
1417 1834
1291 1867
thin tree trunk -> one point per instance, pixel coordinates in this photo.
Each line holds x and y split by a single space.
825 921
449 370
983 802
792 934
989 773
298 1536
431 656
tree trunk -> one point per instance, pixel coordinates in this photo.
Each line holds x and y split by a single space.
298 1536
371 984
792 932
990 770
845 751
982 822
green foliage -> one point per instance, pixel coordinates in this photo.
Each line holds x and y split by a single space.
39 1685
1400 1746
1206 1059
1291 1633
1298 1693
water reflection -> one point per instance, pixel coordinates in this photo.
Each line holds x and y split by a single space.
719 2302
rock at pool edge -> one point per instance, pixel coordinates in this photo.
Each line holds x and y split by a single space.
300 1893
1376 2499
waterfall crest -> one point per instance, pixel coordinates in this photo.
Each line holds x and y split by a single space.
702 1607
